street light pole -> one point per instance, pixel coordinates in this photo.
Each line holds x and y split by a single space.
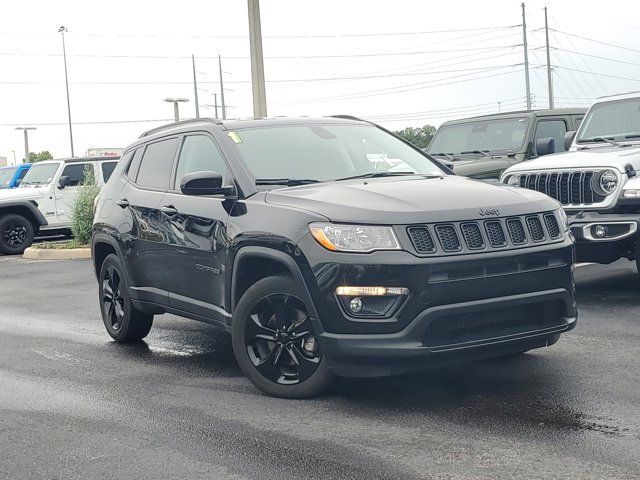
26 142
257 60
176 110
63 29
195 86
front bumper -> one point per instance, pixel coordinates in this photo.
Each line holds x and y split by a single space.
617 239
412 349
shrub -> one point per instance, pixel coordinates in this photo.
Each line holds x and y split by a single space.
82 217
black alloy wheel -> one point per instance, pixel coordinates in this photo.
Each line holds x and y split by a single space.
112 300
16 234
274 341
280 342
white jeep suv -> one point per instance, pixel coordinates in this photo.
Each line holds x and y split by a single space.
596 180
44 201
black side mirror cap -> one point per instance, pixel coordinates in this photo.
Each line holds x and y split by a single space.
545 146
568 139
63 181
205 183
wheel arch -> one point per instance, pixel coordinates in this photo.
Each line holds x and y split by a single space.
252 263
101 246
29 210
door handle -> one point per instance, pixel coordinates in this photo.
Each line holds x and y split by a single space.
169 210
122 203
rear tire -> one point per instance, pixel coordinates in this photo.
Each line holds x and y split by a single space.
274 342
123 321
16 234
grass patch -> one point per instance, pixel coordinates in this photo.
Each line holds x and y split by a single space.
59 245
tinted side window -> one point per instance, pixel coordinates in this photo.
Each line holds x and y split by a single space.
21 175
552 128
134 166
107 170
155 169
200 153
77 172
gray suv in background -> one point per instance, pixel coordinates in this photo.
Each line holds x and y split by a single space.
483 147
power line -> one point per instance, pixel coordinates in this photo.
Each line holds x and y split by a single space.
599 74
243 37
595 56
595 41
110 122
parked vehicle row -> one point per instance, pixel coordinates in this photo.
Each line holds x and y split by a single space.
321 259
11 177
43 202
596 180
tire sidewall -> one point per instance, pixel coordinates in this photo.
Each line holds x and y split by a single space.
120 334
16 218
265 287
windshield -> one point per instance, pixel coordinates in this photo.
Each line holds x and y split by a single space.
618 120
501 135
6 174
40 174
326 152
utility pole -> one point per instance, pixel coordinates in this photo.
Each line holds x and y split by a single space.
257 60
526 59
63 29
26 142
549 81
176 109
195 86
215 104
224 107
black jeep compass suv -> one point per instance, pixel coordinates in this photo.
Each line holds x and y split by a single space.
326 247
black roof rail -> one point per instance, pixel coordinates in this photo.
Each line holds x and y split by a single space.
349 117
178 124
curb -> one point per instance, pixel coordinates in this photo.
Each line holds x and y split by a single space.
57 254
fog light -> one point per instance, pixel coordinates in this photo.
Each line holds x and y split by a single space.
600 231
355 305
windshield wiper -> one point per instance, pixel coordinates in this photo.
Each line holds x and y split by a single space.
633 135
477 152
289 182
448 155
608 140
376 175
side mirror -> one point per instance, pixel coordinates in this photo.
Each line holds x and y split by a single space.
204 183
568 139
64 181
545 146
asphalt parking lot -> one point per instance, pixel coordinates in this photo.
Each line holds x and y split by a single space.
73 404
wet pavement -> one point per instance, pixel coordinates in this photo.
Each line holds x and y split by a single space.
73 404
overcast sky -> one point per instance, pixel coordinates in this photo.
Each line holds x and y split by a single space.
400 63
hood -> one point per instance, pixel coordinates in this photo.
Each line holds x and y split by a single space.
23 193
593 157
404 200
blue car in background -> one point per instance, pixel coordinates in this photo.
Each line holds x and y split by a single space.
10 177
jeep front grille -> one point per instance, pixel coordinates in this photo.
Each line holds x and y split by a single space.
569 188
484 235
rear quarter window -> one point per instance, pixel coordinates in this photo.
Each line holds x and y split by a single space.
157 163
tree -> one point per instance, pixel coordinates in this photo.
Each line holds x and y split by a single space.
39 157
419 136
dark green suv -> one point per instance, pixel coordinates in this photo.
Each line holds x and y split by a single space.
483 147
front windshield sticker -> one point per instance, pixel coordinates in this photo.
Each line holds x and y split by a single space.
235 137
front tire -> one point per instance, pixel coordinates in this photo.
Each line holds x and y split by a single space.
16 234
274 342
123 321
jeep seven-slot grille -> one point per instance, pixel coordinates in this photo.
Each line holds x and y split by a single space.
472 236
535 229
421 239
448 238
569 188
516 231
482 235
552 225
496 234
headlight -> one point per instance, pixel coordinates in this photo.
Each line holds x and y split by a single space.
513 180
562 217
354 238
606 182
